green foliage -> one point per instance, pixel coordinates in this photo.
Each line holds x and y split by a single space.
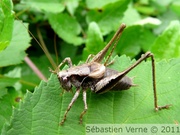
69 34
6 23
167 44
53 6
82 28
15 52
94 41
109 19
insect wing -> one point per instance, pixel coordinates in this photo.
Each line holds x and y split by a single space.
108 83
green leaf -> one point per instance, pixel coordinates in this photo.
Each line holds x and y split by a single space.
42 111
53 6
131 16
167 44
7 81
10 98
6 23
110 17
72 5
15 52
59 23
175 7
94 41
98 4
6 109
146 10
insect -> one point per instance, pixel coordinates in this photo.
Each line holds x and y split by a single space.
98 77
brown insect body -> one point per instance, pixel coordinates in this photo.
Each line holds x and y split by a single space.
81 76
98 77
113 83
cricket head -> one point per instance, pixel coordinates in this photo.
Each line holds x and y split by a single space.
64 80
63 77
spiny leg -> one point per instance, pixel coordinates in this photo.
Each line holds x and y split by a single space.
85 106
154 86
143 57
68 60
70 105
89 57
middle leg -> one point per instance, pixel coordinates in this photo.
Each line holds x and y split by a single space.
85 106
